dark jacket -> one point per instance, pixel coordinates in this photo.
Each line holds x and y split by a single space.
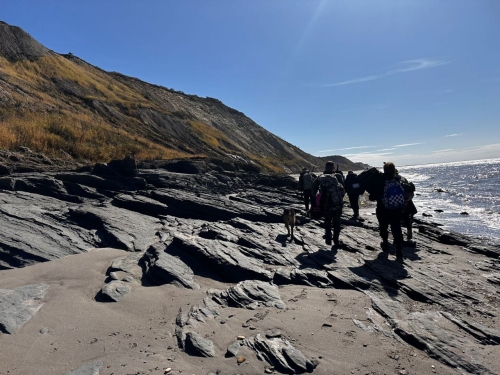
350 180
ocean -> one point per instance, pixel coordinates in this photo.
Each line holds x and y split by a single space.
448 190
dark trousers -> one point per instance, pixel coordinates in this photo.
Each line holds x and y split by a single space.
332 218
308 198
393 218
354 202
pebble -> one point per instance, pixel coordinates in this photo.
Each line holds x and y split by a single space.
327 325
245 325
403 372
269 370
241 337
223 321
253 328
44 330
240 360
167 370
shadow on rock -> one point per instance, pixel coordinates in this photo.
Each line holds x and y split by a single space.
318 259
387 272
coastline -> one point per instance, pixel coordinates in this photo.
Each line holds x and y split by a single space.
217 266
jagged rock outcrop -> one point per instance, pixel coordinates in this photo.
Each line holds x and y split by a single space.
179 229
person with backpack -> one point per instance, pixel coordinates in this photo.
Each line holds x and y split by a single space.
390 199
331 188
353 190
409 210
305 184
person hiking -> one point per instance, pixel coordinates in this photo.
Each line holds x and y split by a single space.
305 183
353 190
332 191
390 205
409 210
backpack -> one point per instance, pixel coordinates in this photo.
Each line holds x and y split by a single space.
307 181
332 193
394 195
315 210
371 180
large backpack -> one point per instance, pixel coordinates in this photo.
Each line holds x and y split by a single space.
332 193
394 195
307 181
371 180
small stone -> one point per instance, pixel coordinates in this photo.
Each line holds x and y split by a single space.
403 372
253 328
223 321
245 325
240 360
273 333
114 276
327 325
396 357
167 370
433 366
365 345
269 370
241 337
230 316
44 330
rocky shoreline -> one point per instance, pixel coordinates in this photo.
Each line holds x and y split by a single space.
192 272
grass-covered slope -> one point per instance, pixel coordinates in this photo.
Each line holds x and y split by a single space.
59 104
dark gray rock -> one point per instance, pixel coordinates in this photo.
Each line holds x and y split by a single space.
198 346
4 170
280 354
126 167
115 290
119 228
223 258
249 294
140 204
164 268
232 350
18 305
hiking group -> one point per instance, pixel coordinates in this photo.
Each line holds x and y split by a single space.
323 196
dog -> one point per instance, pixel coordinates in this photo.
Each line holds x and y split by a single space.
289 219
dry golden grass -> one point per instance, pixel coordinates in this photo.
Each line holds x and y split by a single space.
81 137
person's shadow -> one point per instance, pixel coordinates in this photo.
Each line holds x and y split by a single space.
386 271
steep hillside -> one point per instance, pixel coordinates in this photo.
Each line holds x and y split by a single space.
345 164
59 104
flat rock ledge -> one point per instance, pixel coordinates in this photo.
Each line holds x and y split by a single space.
91 368
18 305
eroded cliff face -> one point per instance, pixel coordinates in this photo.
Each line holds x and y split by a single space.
16 44
193 225
55 103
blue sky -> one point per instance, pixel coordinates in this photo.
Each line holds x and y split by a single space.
414 81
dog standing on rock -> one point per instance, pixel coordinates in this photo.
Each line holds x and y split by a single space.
289 219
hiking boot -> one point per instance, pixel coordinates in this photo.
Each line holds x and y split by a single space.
384 245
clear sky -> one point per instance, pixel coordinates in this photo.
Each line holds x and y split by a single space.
413 81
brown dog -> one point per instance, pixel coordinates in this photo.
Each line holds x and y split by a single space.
289 219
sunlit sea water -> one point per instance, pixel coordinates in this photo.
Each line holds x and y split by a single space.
471 186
